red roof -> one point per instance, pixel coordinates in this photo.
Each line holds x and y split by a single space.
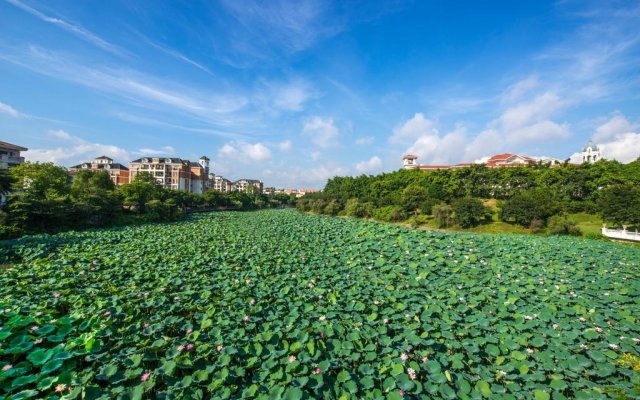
501 157
410 157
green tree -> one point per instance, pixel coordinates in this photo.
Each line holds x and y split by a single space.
530 205
620 204
469 211
444 215
95 198
40 200
142 189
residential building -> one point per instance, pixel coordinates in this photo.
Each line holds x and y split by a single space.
591 153
118 173
410 162
509 160
10 155
222 185
243 185
302 192
269 190
174 173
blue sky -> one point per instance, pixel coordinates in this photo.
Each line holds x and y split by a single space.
294 93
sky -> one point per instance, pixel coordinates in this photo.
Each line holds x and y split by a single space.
296 92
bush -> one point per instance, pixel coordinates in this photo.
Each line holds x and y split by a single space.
469 211
620 204
390 214
356 208
558 225
333 207
443 214
525 207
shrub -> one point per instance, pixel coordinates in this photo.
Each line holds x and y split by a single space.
563 226
443 214
333 207
356 208
390 214
469 211
620 204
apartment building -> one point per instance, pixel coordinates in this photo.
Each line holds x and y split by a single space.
174 173
10 155
118 173
243 185
222 185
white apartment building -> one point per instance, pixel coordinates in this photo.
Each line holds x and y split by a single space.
174 173
10 155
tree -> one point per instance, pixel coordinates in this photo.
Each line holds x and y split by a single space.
140 191
94 198
469 211
443 214
530 205
620 204
40 200
416 198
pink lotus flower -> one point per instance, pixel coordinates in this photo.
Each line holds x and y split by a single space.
145 377
292 358
106 313
189 331
7 367
412 373
60 388
401 392
53 321
37 341
180 348
245 318
219 347
404 357
190 347
316 371
56 295
7 310
34 328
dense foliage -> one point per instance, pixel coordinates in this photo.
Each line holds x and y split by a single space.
45 198
527 195
277 304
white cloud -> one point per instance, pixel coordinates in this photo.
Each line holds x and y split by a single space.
244 151
374 164
75 150
322 131
315 155
364 140
7 109
624 148
291 96
438 150
285 145
537 110
415 128
615 126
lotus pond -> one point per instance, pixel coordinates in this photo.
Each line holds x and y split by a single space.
276 304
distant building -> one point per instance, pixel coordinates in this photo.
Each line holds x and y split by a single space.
269 190
302 192
243 185
10 155
118 173
410 162
174 173
222 185
591 153
509 160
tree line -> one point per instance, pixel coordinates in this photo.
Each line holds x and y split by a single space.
45 198
531 196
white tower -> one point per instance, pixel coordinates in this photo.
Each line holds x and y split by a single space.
409 161
591 153
204 163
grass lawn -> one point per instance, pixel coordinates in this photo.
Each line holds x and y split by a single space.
588 224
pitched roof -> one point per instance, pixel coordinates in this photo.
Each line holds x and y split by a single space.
409 156
12 146
104 158
434 167
174 160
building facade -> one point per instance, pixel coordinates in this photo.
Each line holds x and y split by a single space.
10 155
243 185
591 153
174 173
118 173
222 185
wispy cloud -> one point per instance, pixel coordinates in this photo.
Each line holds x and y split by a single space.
374 164
10 111
213 108
77 30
